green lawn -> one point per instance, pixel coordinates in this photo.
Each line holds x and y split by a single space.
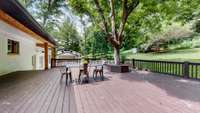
173 55
192 55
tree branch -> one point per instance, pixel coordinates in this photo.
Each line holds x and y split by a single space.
114 42
114 32
109 36
49 4
100 11
127 9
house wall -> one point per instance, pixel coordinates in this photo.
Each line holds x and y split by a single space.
23 61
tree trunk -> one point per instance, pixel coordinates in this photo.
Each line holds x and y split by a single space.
117 55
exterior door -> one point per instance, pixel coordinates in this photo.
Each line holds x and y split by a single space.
34 62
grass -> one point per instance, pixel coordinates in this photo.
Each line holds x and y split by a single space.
192 55
169 68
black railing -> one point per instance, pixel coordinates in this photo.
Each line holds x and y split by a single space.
75 62
194 70
181 69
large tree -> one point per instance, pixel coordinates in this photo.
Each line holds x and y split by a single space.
111 22
112 17
150 17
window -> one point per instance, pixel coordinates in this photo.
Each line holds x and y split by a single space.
13 47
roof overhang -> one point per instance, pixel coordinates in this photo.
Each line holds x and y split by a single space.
13 13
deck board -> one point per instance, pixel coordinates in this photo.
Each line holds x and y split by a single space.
24 95
33 98
135 92
65 103
139 92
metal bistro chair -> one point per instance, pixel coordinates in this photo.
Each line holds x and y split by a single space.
66 71
98 69
83 71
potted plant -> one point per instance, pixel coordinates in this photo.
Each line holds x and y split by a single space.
123 58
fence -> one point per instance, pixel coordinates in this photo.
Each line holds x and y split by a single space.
77 62
181 69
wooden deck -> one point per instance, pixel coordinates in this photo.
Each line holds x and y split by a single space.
135 92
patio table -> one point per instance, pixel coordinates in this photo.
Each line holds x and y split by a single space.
68 67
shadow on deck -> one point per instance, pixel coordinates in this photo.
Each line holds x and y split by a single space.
36 92
135 92
173 86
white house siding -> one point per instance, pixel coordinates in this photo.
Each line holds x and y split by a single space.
23 61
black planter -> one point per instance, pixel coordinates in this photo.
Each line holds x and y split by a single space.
119 68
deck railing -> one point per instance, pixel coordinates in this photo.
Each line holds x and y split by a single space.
181 69
75 62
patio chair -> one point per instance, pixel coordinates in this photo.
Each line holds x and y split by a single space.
62 71
69 75
83 74
98 69
66 71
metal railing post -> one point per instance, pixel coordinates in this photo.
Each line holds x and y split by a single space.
133 61
186 69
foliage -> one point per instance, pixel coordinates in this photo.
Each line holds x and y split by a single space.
68 37
95 43
47 15
192 42
196 26
148 18
171 55
27 3
111 16
172 35
123 58
149 23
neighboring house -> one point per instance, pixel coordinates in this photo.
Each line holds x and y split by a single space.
62 54
66 56
24 45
